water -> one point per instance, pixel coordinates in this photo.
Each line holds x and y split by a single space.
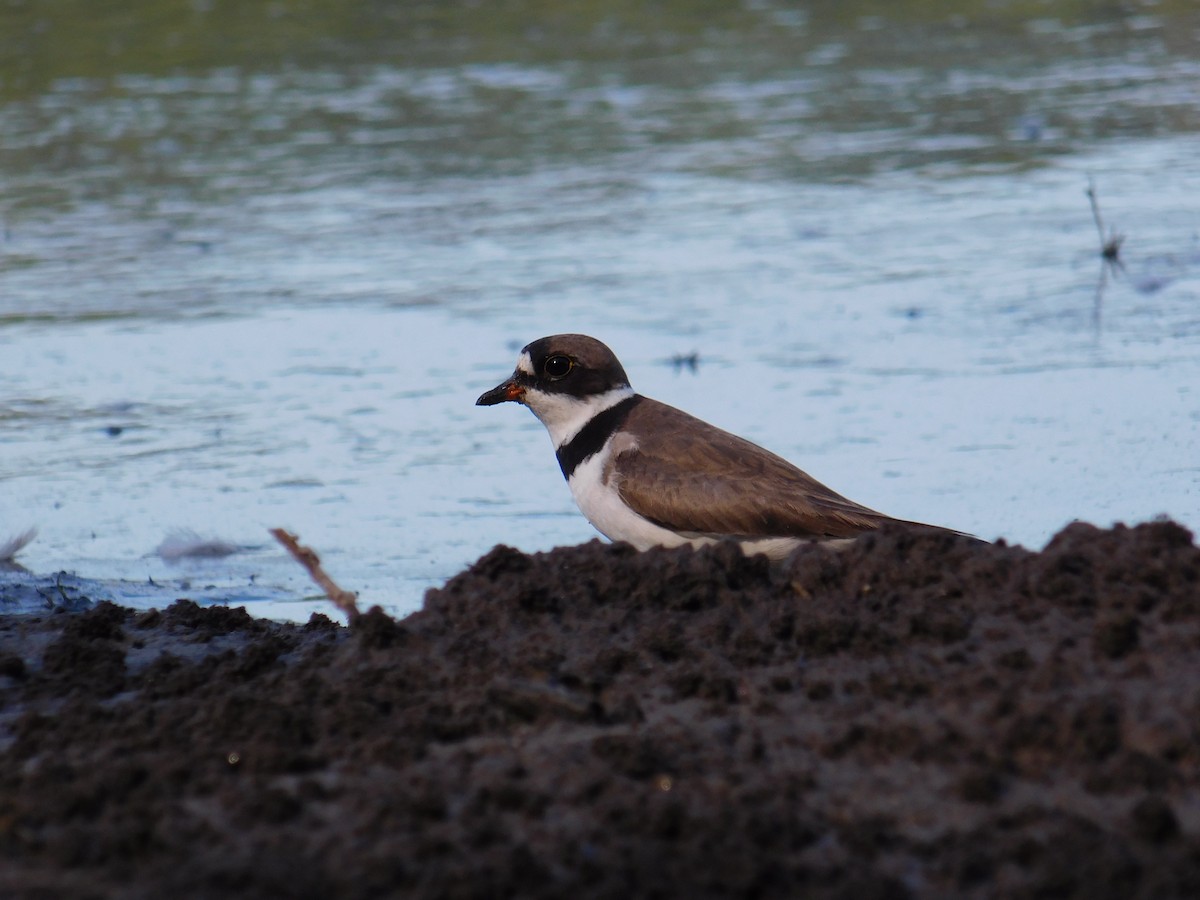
246 285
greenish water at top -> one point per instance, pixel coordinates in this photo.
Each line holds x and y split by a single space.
498 86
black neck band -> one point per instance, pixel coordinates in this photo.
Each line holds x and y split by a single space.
591 437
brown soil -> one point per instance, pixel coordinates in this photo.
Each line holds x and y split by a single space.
919 715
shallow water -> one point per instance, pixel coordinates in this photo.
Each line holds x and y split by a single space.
247 289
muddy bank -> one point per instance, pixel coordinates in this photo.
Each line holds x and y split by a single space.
916 716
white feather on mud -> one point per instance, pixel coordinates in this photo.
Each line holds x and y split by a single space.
183 543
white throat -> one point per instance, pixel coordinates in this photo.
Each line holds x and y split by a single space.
564 415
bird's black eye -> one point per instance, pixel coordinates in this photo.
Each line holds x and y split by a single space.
556 367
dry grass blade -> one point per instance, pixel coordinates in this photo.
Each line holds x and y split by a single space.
14 545
342 599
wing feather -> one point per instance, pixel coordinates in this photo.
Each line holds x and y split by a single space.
692 477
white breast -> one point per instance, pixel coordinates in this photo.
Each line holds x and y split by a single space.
600 503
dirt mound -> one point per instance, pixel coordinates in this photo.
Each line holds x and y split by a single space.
919 715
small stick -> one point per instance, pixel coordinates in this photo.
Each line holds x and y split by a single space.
342 599
1110 247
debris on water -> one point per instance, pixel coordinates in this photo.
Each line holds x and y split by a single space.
21 592
183 543
689 361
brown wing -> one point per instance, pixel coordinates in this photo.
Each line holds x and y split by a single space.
731 486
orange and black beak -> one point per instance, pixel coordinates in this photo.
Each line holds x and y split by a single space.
502 393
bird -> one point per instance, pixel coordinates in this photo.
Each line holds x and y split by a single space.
652 475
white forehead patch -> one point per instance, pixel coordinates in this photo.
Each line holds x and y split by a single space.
525 363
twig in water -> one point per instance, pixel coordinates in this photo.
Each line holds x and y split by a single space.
1110 247
342 599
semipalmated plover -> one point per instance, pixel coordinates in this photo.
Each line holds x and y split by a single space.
652 475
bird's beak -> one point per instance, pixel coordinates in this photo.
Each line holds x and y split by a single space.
502 393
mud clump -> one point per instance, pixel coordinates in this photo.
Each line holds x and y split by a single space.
919 715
